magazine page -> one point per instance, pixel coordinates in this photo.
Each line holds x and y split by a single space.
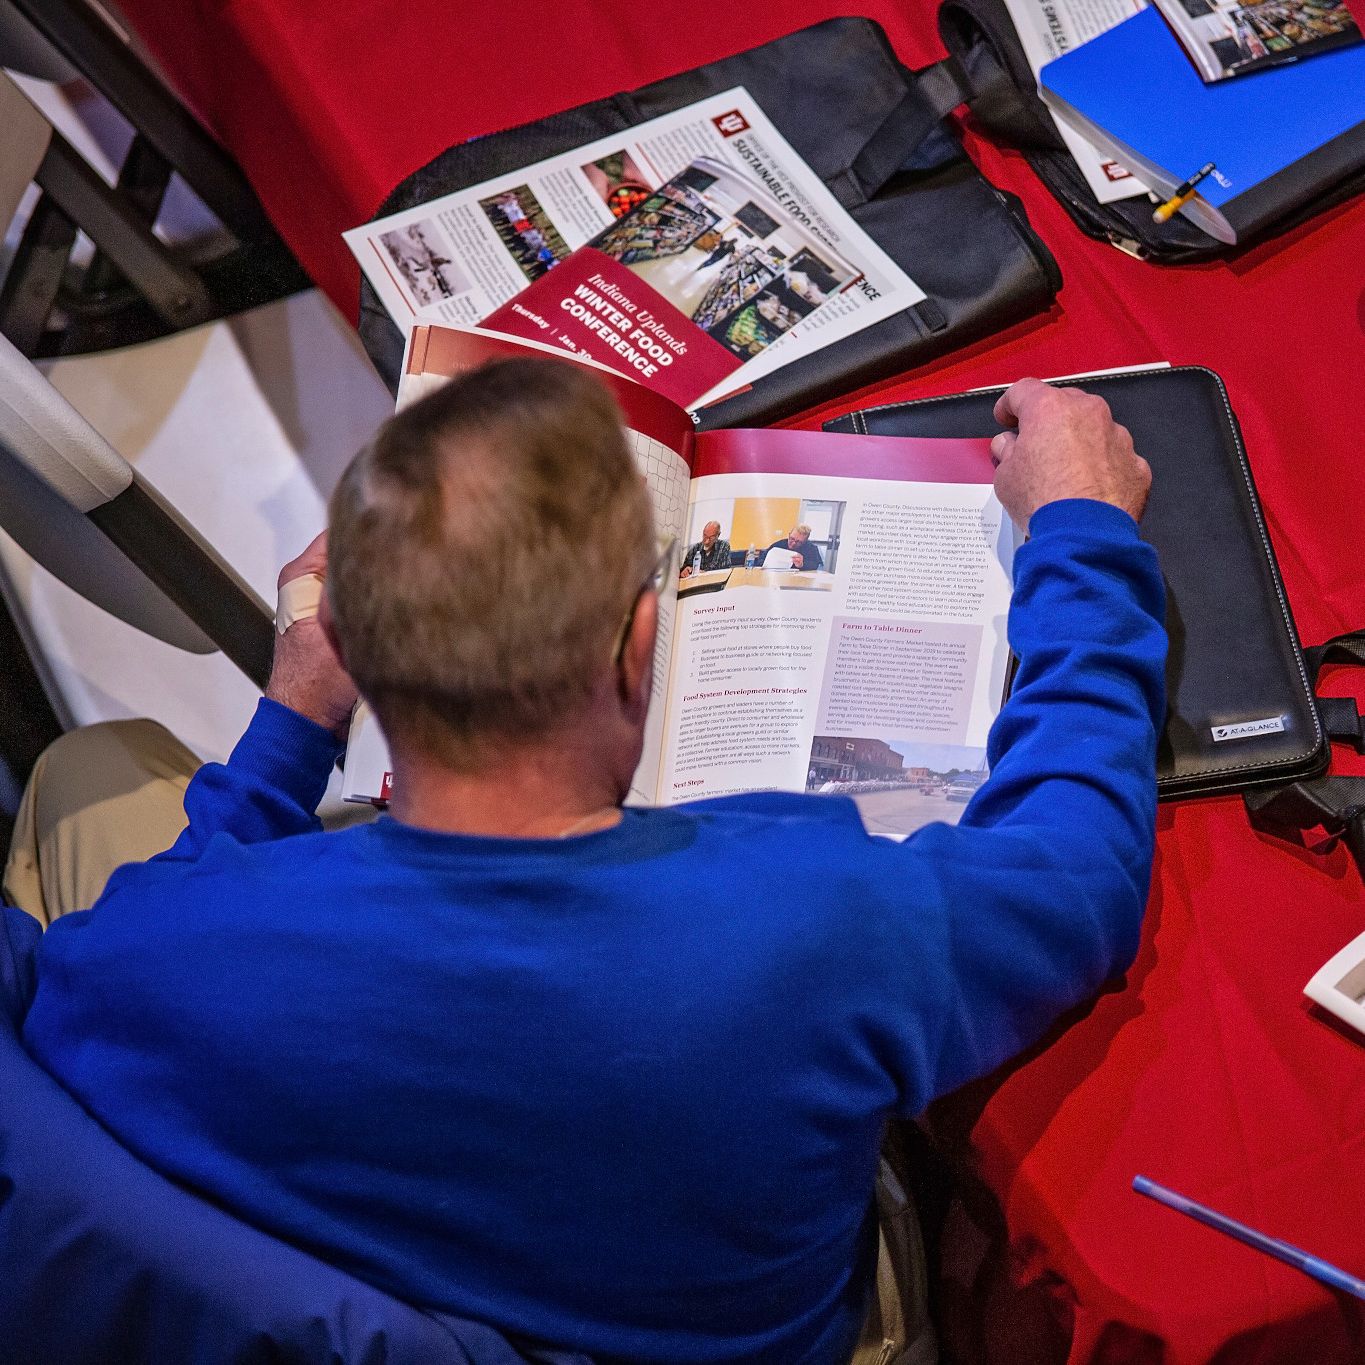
661 438
1225 38
460 257
1049 28
856 644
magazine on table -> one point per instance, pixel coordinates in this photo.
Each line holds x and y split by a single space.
1225 38
833 619
705 216
1271 143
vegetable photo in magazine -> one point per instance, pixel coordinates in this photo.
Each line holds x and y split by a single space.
1225 38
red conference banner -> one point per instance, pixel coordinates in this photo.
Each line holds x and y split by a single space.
594 306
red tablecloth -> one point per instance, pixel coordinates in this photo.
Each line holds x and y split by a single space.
1206 1071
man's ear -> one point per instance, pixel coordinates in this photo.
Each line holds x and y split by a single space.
635 673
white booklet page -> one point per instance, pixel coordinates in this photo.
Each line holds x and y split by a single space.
1049 28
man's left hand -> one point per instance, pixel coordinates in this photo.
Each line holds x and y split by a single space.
306 675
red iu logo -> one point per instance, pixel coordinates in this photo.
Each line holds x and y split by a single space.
731 123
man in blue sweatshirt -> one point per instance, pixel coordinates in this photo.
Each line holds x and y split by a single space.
483 1053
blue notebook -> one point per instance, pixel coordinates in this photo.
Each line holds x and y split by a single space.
1278 137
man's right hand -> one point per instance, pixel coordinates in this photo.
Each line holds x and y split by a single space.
1065 444
306 675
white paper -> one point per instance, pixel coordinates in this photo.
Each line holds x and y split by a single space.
1339 984
367 776
1049 28
1088 374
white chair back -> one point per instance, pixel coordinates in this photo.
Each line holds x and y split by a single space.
77 507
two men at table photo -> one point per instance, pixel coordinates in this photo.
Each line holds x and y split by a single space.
487 1053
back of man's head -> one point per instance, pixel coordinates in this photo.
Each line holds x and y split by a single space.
483 551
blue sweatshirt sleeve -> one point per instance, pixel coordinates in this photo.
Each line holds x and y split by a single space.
1035 899
269 787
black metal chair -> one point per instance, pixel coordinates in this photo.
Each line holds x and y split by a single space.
136 286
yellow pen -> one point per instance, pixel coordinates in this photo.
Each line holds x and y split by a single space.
1183 194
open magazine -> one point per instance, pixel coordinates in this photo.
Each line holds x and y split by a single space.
1229 38
706 216
835 621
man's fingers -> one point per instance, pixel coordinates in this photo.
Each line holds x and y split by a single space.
1016 398
313 560
1002 445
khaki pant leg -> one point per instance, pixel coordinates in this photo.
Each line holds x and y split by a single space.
897 1329
98 797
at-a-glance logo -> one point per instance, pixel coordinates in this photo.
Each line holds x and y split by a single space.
730 124
1246 729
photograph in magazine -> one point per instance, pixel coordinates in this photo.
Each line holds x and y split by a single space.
714 243
531 239
898 785
426 262
618 182
1224 38
774 544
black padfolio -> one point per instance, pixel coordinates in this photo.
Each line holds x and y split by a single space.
873 132
1235 661
993 78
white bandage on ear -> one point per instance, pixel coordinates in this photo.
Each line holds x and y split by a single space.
297 601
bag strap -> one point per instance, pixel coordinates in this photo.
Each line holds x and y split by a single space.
886 151
1334 804
996 82
1340 649
944 86
932 93
1340 716
1342 720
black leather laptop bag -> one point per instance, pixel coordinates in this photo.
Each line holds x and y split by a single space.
1241 711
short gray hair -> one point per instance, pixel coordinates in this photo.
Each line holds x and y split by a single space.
484 549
